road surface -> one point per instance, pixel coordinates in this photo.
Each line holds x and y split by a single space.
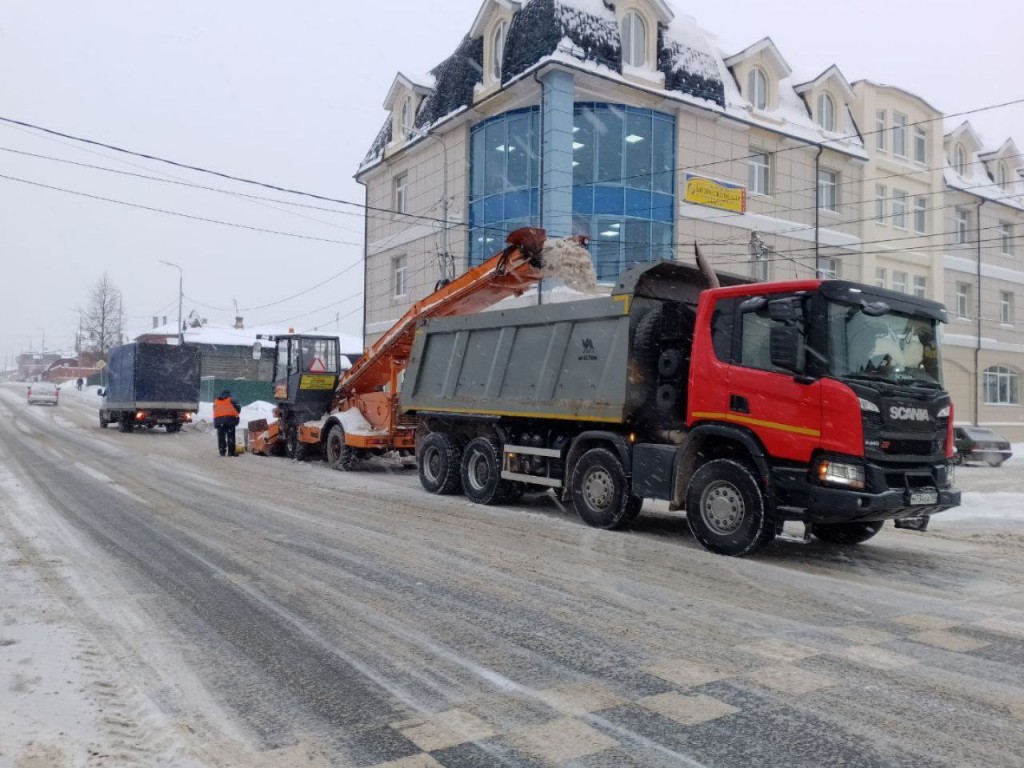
165 606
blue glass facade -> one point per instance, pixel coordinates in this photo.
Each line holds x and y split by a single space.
623 171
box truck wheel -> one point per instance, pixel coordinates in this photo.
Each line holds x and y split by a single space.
481 472
725 508
600 490
104 421
339 455
438 461
172 428
848 533
125 424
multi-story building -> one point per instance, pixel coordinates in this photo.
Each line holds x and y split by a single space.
624 124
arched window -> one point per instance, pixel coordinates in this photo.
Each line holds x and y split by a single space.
757 88
498 49
826 112
634 40
960 160
1000 175
1001 386
407 117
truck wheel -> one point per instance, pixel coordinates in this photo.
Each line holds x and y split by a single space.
124 424
104 421
600 491
172 428
725 508
293 447
438 462
339 455
481 472
847 533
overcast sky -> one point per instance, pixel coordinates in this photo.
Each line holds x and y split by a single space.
291 94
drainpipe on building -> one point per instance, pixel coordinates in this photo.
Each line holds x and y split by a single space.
540 177
977 347
817 210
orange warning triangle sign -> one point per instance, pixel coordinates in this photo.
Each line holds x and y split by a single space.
317 366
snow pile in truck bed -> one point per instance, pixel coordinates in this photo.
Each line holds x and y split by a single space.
568 261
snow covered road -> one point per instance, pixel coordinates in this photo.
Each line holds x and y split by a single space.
165 606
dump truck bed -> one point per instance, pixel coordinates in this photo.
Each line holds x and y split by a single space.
561 361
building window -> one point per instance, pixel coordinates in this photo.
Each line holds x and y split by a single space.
881 130
880 277
899 134
827 190
408 117
1000 175
498 49
899 209
920 145
899 281
401 185
920 286
759 177
1006 307
963 300
881 191
828 268
827 112
634 40
398 271
1006 238
757 88
1001 386
961 223
920 215
960 160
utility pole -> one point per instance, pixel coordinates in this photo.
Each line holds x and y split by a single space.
181 281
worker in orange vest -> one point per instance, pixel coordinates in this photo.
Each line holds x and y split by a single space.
225 419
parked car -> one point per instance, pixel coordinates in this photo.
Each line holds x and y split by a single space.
980 444
43 392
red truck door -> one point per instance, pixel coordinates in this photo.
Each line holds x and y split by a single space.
784 413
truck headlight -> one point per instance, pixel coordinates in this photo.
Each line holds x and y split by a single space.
841 473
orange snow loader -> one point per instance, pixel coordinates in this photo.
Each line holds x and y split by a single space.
352 415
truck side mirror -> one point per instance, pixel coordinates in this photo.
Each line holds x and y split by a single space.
784 348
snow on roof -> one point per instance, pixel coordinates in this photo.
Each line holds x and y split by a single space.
226 335
978 183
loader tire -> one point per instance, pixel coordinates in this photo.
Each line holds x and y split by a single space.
339 456
438 461
294 448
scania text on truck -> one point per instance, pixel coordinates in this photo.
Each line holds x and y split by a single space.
746 405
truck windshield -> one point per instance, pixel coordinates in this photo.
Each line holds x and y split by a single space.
894 347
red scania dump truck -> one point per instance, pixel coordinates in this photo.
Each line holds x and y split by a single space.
747 405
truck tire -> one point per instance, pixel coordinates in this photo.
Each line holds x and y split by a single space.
600 490
339 456
172 428
726 510
481 472
439 463
847 533
124 424
104 421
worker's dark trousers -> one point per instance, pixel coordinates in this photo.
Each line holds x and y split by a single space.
226 439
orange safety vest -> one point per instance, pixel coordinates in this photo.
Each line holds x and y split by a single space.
223 407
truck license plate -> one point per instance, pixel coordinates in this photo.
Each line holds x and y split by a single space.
924 497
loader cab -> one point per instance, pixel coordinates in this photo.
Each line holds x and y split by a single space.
306 371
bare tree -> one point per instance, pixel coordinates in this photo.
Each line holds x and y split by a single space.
103 317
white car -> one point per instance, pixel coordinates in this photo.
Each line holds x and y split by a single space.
43 392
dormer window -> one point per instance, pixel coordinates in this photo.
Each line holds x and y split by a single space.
634 40
959 160
498 49
407 117
826 112
1000 175
757 88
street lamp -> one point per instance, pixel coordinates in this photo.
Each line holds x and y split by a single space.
181 280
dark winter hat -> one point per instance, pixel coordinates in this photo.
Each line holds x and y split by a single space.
226 393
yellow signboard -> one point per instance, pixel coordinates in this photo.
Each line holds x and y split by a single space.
311 381
716 194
